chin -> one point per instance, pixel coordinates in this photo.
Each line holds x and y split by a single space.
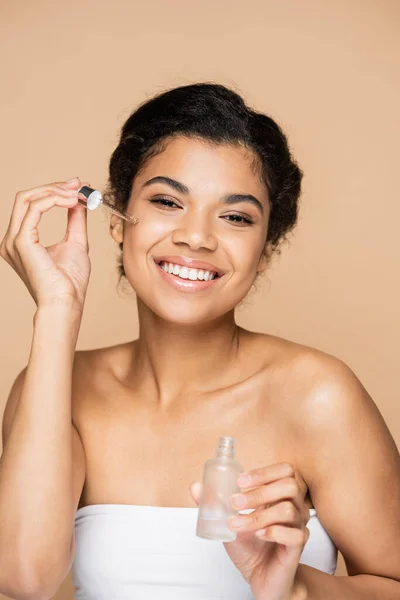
185 308
179 311
186 317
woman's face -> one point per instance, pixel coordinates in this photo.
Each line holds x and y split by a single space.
203 208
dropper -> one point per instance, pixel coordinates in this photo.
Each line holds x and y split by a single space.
93 200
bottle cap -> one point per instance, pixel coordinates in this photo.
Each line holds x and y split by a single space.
93 197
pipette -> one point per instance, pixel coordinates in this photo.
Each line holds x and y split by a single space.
94 198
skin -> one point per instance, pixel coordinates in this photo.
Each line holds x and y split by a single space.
149 411
161 402
226 368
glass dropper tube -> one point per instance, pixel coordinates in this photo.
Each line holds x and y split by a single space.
94 198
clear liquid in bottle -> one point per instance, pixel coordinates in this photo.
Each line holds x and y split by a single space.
219 483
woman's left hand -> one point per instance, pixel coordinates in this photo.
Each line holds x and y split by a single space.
270 540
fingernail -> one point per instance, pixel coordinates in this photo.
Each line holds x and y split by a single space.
71 180
260 532
239 500
244 479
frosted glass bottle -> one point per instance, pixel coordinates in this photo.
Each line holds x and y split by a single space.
219 483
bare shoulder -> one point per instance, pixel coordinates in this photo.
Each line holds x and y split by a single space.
309 367
322 390
98 362
329 388
96 369
349 458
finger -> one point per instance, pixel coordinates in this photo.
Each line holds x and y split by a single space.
73 183
265 475
195 490
21 206
283 512
29 232
24 197
288 536
276 491
55 186
77 226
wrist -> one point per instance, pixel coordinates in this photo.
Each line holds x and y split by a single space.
59 309
59 317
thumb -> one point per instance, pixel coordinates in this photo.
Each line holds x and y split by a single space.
196 489
77 226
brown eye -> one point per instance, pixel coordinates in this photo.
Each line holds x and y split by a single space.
164 202
239 219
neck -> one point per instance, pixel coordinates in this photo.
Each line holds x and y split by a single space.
170 359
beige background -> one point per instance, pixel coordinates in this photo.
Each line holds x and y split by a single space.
72 72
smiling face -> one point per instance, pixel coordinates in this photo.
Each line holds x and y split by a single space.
201 207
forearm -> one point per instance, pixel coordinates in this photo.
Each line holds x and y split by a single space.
322 586
36 465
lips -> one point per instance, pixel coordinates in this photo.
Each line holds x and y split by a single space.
185 285
192 263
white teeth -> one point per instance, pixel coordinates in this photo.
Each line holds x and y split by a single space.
187 273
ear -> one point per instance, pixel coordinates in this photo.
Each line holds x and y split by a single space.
117 229
265 258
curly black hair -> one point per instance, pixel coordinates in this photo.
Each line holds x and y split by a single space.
215 113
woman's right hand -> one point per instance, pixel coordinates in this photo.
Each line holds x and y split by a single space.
58 273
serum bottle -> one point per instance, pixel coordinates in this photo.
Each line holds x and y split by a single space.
219 483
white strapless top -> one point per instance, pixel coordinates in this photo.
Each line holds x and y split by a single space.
125 551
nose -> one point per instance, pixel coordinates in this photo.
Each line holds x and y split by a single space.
195 232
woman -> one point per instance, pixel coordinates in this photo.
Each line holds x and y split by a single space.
216 191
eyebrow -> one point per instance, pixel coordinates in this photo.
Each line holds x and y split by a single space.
183 189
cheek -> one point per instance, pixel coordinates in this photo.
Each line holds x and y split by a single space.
140 239
245 252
